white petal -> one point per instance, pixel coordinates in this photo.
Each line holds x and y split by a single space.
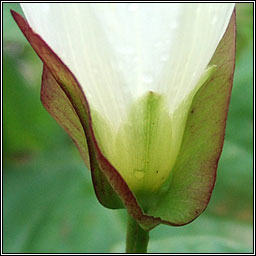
120 51
199 30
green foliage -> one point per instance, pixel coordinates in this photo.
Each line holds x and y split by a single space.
244 26
49 203
10 32
27 127
50 207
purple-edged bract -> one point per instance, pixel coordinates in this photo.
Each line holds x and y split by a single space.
143 90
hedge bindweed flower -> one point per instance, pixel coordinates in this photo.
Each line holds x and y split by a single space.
155 109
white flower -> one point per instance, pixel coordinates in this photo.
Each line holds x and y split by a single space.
139 66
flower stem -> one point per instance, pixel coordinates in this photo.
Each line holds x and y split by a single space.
136 238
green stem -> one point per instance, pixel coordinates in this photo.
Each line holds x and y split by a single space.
136 237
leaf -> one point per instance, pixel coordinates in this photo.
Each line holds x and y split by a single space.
9 29
198 244
50 207
192 244
26 126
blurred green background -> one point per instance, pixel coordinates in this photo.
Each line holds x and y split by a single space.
49 203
